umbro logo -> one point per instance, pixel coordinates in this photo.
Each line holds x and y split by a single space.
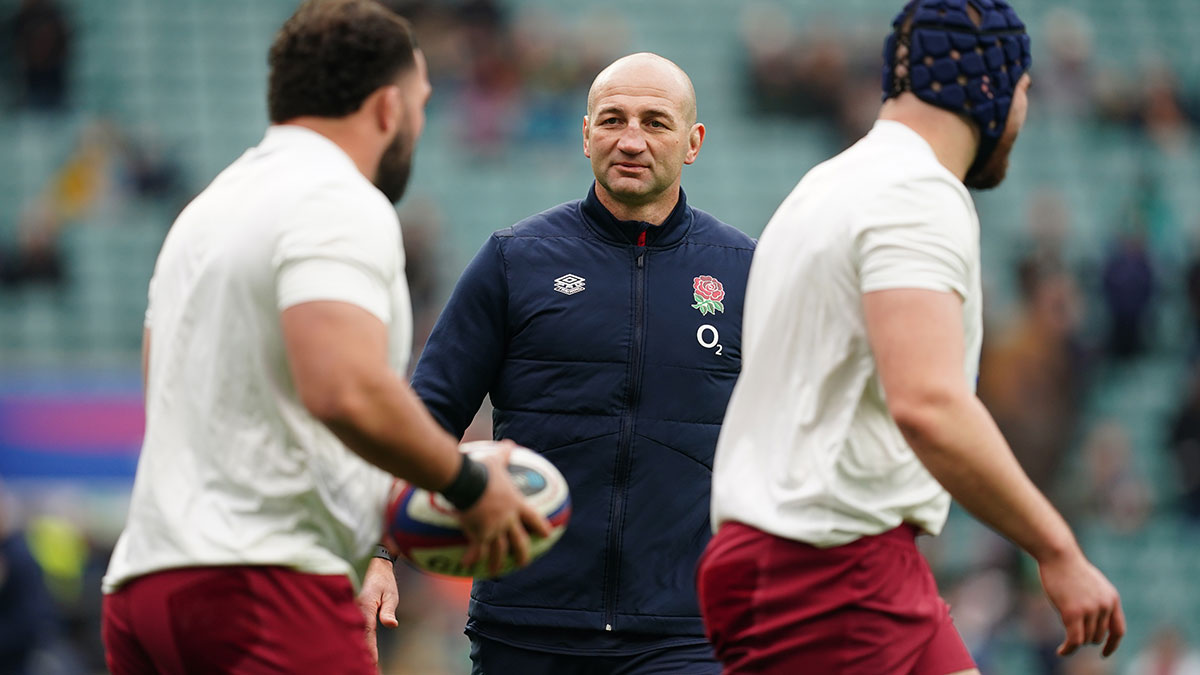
569 284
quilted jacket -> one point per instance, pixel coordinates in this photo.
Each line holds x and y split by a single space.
611 347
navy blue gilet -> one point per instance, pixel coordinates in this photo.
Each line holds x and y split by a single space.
611 347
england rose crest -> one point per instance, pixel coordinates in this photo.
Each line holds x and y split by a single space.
708 293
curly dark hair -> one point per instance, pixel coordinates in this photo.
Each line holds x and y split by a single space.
331 54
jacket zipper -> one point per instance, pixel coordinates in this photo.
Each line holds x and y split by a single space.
612 569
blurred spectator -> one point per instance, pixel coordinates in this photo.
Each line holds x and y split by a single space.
152 173
1066 78
442 37
491 96
30 630
768 37
1185 448
557 63
42 45
61 551
35 258
1033 372
106 171
1112 492
818 74
550 75
1128 286
1049 231
512 79
1151 100
1164 113
1166 654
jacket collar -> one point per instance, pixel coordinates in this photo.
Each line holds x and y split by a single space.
625 232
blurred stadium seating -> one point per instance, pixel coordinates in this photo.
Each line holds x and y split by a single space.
189 76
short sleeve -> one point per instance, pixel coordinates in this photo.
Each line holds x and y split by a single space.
336 245
921 234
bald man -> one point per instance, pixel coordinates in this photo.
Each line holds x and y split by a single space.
607 331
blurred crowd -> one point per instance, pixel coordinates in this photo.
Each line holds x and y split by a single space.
823 71
41 38
107 168
512 77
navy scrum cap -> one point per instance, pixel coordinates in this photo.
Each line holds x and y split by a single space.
959 65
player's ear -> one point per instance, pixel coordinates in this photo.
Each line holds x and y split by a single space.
695 140
587 151
388 108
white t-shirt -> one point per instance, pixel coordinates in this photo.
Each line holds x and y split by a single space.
808 450
233 468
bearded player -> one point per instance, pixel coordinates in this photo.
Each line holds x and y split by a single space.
855 419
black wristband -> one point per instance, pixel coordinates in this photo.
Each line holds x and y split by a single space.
382 552
468 486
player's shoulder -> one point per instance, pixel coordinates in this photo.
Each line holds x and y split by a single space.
925 184
342 212
915 170
351 195
929 205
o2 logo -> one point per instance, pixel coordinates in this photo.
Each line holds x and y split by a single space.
708 337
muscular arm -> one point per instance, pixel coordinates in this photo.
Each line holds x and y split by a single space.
338 357
337 352
916 337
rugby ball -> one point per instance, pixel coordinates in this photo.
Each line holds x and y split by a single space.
422 527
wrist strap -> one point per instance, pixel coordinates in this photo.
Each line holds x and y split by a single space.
382 552
468 486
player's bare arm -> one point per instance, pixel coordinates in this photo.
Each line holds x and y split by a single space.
338 358
916 338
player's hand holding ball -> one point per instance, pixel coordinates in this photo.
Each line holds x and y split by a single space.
521 513
498 521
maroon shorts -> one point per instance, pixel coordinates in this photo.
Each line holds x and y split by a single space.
235 620
773 605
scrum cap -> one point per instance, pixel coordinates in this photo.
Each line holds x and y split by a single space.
957 64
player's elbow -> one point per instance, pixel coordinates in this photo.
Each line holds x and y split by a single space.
336 403
924 414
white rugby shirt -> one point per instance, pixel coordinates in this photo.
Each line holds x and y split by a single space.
233 468
808 450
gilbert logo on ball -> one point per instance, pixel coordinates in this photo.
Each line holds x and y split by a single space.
423 528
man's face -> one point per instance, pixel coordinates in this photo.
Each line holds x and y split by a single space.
993 171
395 166
638 137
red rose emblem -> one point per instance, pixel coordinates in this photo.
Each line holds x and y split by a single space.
708 288
708 294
